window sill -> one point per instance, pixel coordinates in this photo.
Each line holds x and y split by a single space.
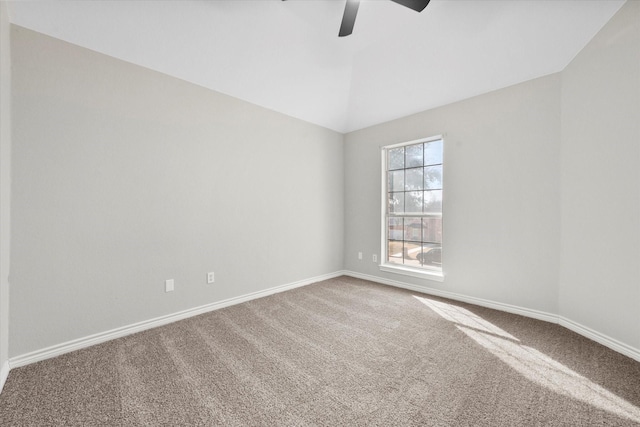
435 276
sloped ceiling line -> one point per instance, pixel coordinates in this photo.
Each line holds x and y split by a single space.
286 56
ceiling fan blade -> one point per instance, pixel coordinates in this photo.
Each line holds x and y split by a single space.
417 5
349 17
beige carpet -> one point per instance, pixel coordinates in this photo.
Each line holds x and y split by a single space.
340 352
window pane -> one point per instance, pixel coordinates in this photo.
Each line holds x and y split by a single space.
396 158
432 230
395 229
395 252
414 179
396 180
433 177
412 253
413 202
396 202
431 256
433 152
414 156
413 229
433 201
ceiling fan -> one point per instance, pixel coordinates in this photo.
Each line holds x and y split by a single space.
351 10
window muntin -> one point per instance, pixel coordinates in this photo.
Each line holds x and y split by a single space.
413 204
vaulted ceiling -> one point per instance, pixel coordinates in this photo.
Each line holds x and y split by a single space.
286 55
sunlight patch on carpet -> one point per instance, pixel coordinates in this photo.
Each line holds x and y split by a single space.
531 363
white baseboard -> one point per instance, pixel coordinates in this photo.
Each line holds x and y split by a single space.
77 344
4 374
528 312
88 341
603 339
596 336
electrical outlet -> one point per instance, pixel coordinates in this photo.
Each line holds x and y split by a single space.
168 285
210 277
375 258
360 255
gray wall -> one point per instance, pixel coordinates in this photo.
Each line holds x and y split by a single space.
5 179
124 177
542 189
600 274
501 234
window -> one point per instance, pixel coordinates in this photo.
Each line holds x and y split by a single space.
412 208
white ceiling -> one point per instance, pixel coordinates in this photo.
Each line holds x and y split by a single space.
287 56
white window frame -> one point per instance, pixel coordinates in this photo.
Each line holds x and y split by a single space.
420 272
